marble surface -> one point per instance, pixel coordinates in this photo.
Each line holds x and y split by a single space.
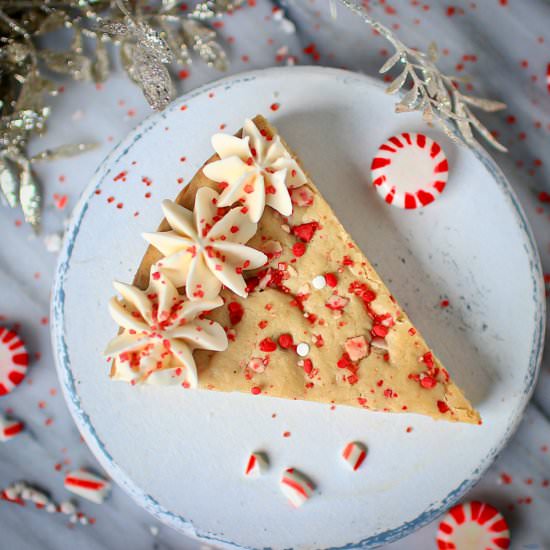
504 45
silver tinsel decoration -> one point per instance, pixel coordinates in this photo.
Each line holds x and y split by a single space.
428 89
150 36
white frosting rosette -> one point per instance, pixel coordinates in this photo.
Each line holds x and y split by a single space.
205 248
161 329
257 170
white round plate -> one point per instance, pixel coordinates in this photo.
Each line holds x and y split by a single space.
181 453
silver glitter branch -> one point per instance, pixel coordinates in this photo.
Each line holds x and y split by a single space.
149 41
150 36
428 90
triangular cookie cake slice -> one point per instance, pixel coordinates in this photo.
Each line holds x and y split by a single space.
251 284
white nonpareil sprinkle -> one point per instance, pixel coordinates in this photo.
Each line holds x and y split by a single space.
302 349
319 282
53 242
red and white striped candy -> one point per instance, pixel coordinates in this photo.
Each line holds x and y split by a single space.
354 454
87 485
473 525
256 465
14 360
296 487
409 170
10 428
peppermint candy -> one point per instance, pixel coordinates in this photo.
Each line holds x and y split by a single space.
10 428
87 485
256 465
354 454
14 360
296 487
473 525
409 170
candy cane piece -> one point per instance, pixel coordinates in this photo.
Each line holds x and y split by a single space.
256 465
10 428
296 487
87 485
354 454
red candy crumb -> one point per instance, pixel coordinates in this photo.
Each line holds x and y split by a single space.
336 303
301 196
305 231
319 340
346 260
344 362
356 348
299 249
428 359
442 406
331 279
268 345
236 312
286 341
255 390
256 364
361 290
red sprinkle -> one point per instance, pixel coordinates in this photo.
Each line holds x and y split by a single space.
506 478
344 362
256 390
442 406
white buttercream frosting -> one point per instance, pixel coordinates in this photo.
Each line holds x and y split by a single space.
161 329
205 248
256 169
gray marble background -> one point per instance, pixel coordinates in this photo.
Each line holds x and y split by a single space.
507 49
